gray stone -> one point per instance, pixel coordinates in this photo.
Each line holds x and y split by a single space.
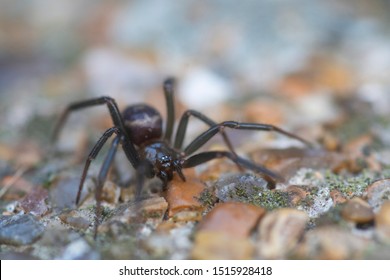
19 229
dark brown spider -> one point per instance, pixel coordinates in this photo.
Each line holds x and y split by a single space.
139 130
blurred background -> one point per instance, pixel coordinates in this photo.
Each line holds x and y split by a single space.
280 62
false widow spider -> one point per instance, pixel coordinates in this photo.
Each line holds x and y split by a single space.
139 129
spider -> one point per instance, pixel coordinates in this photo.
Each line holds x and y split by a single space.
151 152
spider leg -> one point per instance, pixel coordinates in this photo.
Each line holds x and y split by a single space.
208 134
182 128
145 169
94 152
169 91
102 178
207 156
130 151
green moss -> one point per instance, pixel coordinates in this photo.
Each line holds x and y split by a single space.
349 186
268 199
207 198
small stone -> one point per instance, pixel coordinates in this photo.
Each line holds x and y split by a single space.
357 156
296 194
19 230
279 232
377 193
211 245
151 208
331 243
174 244
63 194
34 203
184 195
79 250
358 211
110 192
337 197
73 219
187 216
382 222
233 218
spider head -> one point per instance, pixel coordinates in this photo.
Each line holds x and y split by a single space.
143 123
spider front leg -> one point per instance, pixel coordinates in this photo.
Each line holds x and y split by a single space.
182 128
130 151
101 179
94 152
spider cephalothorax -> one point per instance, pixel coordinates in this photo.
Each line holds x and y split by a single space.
139 129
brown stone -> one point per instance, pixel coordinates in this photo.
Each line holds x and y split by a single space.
184 195
233 218
35 202
110 192
151 208
73 219
296 194
279 232
358 211
382 222
331 243
378 192
212 245
337 197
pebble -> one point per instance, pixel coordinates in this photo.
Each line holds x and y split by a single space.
337 197
187 216
211 245
382 222
358 211
20 230
331 243
279 232
377 193
34 203
151 208
63 194
357 159
111 192
73 219
79 250
296 194
233 218
174 244
184 196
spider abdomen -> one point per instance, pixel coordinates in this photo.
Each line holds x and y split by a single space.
143 123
